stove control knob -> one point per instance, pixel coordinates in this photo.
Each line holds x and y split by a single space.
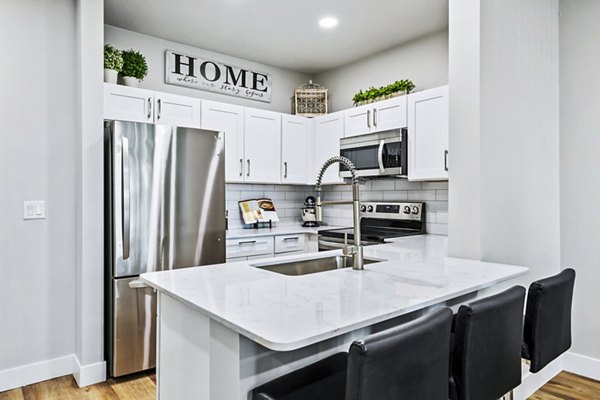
415 210
406 209
363 208
370 209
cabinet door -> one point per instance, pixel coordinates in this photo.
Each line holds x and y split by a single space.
124 103
295 149
262 146
389 114
358 120
329 129
229 119
428 128
170 109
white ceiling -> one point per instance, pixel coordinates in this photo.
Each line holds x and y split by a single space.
283 33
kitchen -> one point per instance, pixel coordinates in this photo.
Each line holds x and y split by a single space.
60 288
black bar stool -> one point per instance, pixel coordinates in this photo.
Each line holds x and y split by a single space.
486 347
547 332
403 363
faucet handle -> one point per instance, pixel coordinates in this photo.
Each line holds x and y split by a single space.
346 248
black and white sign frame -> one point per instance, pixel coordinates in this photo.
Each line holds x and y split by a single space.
199 73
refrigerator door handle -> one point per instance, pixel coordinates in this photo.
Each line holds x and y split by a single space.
138 284
126 197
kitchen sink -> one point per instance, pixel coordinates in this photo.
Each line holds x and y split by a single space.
305 267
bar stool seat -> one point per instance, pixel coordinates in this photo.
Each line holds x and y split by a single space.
486 348
547 331
407 362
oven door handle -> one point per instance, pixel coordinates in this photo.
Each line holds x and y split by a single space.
380 156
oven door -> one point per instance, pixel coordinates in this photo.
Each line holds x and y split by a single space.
379 154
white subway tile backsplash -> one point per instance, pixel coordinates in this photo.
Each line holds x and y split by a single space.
383 184
289 199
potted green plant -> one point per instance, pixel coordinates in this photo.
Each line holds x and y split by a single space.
134 67
113 62
373 94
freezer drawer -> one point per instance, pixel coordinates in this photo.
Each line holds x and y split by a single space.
133 338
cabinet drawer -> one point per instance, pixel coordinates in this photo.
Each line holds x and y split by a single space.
287 243
251 246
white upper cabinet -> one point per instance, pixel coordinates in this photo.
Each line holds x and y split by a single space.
176 110
428 127
295 149
329 129
125 103
229 119
262 144
380 116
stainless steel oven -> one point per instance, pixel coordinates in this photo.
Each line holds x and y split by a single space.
376 154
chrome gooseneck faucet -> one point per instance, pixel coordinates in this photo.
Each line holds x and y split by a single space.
356 251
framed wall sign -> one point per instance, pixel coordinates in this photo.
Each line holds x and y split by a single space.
214 76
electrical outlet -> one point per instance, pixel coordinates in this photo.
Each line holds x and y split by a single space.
34 209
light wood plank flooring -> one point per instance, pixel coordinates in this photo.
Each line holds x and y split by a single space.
565 386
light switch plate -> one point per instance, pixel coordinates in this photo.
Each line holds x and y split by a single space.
35 209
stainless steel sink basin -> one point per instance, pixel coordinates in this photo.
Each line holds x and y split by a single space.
305 267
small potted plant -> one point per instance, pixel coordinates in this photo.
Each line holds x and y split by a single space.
134 67
113 62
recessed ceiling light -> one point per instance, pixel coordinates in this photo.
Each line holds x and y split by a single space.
328 22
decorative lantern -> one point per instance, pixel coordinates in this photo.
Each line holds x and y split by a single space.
311 100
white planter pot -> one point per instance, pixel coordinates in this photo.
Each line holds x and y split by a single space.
110 75
131 81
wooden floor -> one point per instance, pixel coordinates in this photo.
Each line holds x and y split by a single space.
565 386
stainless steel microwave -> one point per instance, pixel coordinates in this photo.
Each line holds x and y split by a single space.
376 154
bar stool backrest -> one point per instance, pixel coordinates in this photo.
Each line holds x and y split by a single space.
486 358
408 362
547 332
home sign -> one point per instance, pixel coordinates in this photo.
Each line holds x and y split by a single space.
204 74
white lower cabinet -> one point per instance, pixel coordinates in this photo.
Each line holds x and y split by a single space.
289 243
250 246
258 247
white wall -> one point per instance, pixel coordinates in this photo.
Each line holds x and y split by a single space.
153 48
517 141
580 163
424 61
37 162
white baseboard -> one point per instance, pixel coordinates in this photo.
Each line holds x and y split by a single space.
86 375
36 372
531 383
582 365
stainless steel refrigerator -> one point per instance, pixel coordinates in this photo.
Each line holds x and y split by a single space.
165 209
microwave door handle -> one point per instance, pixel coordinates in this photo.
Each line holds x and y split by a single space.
126 200
380 156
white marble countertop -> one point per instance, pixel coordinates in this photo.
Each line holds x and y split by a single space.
276 231
289 312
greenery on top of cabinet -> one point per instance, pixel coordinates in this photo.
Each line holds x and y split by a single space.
373 94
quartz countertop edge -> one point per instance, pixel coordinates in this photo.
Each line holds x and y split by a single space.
175 283
277 231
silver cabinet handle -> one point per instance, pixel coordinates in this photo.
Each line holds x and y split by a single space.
248 172
126 201
445 160
380 156
149 107
138 284
241 166
375 117
247 242
285 169
158 111
369 119
291 238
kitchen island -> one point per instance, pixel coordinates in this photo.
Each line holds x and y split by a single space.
224 329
